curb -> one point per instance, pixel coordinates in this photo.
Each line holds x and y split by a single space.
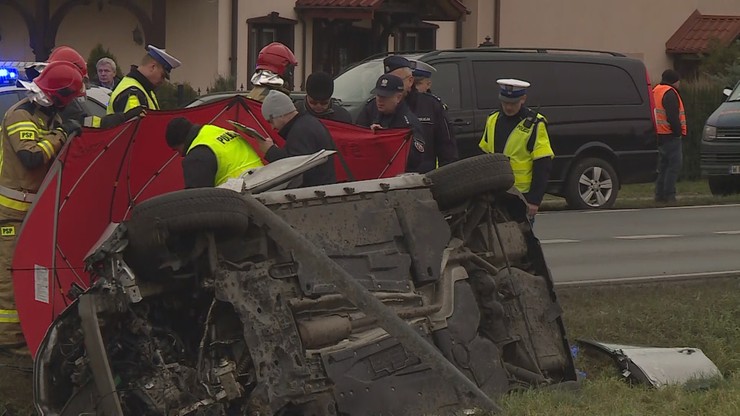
668 278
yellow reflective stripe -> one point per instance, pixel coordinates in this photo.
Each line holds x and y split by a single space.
30 124
92 121
132 102
13 204
9 316
47 147
14 130
661 122
659 111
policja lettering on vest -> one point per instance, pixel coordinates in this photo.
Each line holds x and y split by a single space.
521 134
211 155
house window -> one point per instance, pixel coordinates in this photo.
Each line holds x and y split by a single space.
265 30
420 36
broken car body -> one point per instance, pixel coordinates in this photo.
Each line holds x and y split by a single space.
215 302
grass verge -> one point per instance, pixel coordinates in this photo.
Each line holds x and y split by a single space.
688 193
703 315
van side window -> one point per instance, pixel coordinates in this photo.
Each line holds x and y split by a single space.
446 83
557 83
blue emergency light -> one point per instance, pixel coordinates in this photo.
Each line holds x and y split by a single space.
8 76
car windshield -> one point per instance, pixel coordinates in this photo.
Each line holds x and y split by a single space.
355 85
735 94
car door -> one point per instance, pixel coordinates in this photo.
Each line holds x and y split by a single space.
450 83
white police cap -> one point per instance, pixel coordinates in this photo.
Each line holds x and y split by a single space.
511 90
168 61
423 70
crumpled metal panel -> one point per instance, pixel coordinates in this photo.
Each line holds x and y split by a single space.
385 240
659 366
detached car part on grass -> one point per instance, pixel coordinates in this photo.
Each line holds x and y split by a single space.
411 295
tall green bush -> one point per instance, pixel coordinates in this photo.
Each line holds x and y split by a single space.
100 52
700 98
221 84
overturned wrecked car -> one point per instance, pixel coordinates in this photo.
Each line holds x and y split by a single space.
416 294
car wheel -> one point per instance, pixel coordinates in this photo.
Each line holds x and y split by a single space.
190 210
722 185
459 181
592 184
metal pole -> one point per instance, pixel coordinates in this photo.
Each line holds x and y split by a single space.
315 259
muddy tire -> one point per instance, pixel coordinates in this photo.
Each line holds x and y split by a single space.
155 220
469 177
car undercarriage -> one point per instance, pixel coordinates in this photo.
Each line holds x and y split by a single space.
420 294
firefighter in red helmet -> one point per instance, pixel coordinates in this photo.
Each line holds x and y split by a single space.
275 66
32 135
76 110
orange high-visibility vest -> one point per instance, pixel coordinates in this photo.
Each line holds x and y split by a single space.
661 118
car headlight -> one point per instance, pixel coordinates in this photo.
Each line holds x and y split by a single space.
710 133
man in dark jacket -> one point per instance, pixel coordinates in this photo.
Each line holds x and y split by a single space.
319 101
670 124
388 110
439 143
303 133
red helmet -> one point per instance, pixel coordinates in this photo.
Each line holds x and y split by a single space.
65 53
61 82
277 58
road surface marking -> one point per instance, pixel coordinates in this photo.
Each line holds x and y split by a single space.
558 241
727 232
646 279
645 237
603 211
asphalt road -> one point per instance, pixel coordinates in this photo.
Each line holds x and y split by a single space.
641 243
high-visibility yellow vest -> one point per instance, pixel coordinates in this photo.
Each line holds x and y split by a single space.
133 100
520 157
662 126
233 154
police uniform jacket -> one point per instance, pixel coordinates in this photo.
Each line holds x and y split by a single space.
305 135
402 118
134 90
440 145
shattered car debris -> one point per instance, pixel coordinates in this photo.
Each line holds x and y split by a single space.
659 367
411 295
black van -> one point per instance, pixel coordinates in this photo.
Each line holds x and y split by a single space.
598 106
720 146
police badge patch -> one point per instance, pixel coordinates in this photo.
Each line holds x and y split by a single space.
419 145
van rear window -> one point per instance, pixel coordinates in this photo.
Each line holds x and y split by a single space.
557 84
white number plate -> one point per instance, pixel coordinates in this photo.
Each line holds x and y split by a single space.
735 170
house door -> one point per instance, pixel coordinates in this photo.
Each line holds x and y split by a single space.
338 44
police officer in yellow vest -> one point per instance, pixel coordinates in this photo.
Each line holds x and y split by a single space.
211 155
521 134
137 88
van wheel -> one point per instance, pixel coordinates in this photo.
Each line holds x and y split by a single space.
466 178
722 185
592 184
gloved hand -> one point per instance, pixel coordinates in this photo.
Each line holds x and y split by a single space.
138 111
71 127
